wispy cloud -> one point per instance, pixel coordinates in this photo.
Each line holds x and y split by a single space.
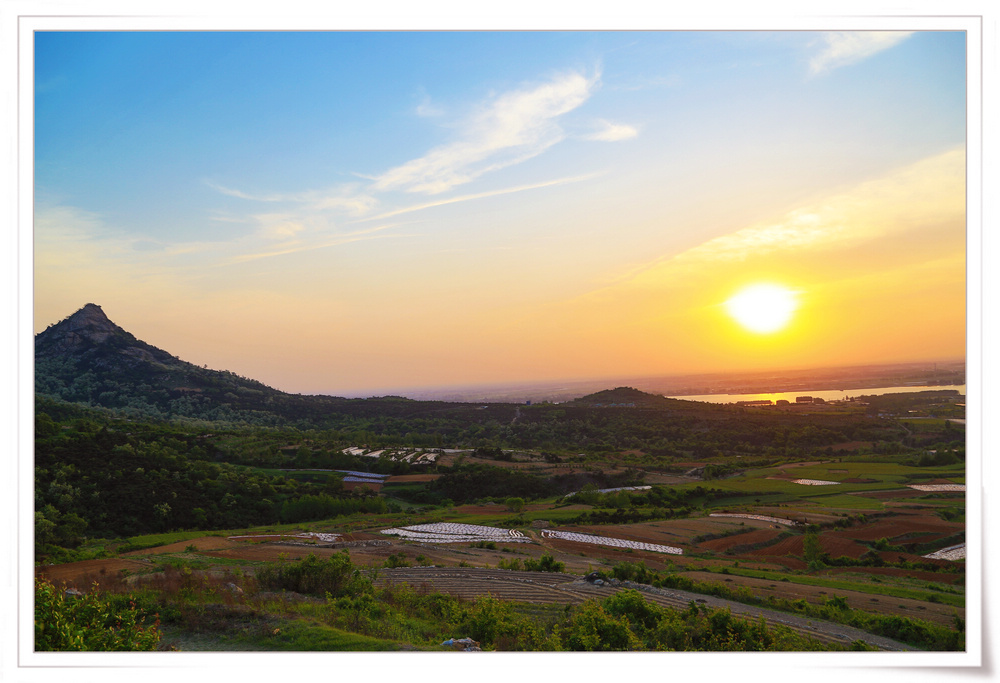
513 128
483 195
510 128
245 195
928 193
843 48
612 132
427 108
347 198
301 246
278 226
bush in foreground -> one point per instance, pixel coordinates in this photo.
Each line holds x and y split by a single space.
90 622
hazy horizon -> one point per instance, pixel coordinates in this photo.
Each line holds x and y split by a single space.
346 212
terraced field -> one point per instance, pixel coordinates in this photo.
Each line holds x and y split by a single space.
467 583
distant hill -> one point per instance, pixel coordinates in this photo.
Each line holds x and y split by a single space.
624 397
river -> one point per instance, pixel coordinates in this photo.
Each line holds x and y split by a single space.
826 394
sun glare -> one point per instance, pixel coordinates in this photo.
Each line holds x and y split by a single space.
762 308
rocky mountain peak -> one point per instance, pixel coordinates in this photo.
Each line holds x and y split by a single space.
86 358
89 331
91 322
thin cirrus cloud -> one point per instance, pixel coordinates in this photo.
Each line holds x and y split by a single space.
903 203
426 108
294 247
484 195
843 48
509 129
513 128
612 132
345 200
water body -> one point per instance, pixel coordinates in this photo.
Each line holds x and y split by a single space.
826 395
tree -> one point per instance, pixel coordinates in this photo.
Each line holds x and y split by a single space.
811 548
514 504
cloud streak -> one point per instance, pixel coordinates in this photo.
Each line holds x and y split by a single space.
508 129
843 48
483 195
513 128
928 193
344 199
294 248
612 132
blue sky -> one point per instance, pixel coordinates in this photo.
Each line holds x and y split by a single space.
412 209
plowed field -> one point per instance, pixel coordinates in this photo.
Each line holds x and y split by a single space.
81 575
930 527
939 613
752 537
836 547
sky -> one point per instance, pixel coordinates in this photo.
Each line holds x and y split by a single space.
355 213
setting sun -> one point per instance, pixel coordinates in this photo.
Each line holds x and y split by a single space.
762 308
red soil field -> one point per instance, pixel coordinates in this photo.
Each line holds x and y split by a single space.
836 547
931 526
81 575
401 478
755 536
352 485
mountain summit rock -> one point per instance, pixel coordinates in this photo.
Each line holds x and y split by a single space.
90 322
88 359
89 333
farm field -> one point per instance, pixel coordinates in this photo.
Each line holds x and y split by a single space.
818 545
752 540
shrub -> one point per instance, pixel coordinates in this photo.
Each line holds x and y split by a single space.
546 563
593 628
396 560
495 625
91 622
335 575
633 571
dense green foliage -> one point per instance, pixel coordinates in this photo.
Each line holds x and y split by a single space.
114 479
334 576
545 563
91 622
623 621
921 634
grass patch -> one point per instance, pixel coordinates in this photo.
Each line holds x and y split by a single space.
846 502
306 635
765 499
271 633
155 540
947 598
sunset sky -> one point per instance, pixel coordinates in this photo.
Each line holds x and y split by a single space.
362 212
